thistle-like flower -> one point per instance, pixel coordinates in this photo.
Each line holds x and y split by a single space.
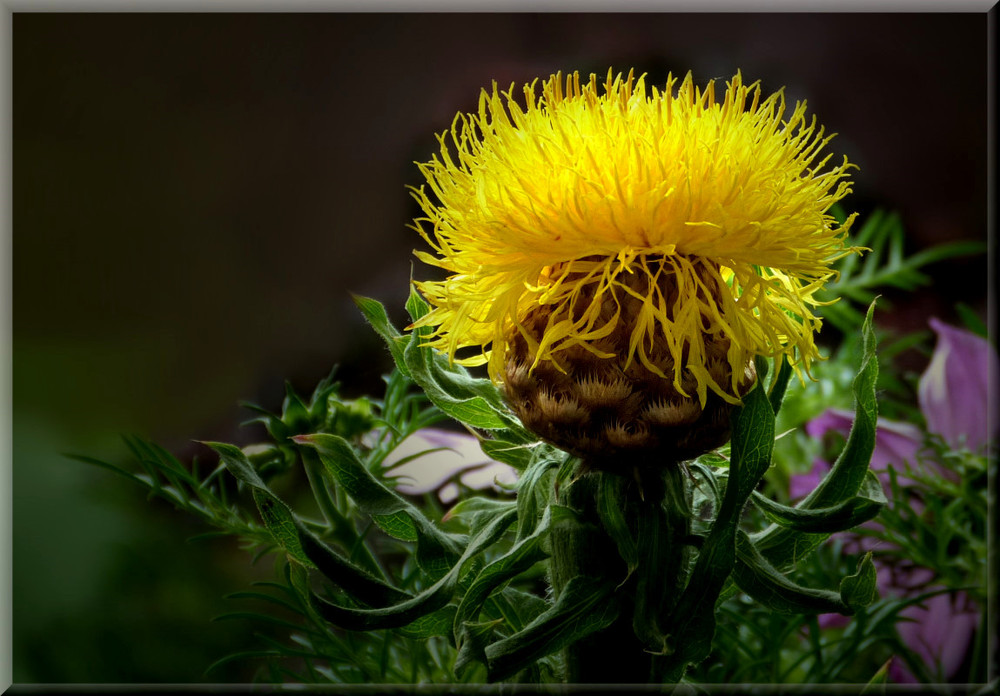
618 255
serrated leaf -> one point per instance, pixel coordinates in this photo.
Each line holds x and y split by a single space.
585 605
376 315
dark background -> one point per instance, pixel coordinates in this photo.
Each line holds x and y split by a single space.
196 195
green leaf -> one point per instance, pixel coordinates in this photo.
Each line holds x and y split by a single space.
517 455
585 605
417 307
479 511
379 319
534 489
475 402
294 413
971 320
845 515
861 589
876 685
357 583
611 510
430 600
518 607
472 649
779 385
759 579
692 623
437 623
278 517
521 556
663 559
436 550
885 265
280 522
783 546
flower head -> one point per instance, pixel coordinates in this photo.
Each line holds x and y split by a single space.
662 231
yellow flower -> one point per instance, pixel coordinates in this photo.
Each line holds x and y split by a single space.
664 230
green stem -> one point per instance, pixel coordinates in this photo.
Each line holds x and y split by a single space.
656 521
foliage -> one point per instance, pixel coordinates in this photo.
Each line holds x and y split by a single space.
376 587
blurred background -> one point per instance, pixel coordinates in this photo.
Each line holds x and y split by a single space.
195 196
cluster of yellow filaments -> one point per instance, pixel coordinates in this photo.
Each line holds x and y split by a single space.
586 195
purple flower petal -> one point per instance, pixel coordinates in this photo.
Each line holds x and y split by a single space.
801 485
939 632
895 443
957 387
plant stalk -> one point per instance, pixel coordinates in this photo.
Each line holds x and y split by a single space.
657 518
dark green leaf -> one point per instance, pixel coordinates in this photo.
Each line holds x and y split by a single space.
837 518
278 517
379 319
437 623
436 550
472 649
876 685
776 392
475 402
971 320
692 623
782 546
860 589
428 601
359 584
479 511
521 556
611 510
534 490
759 579
585 605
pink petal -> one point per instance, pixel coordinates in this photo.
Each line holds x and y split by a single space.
940 633
801 485
958 389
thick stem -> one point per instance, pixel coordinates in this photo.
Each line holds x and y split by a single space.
657 523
